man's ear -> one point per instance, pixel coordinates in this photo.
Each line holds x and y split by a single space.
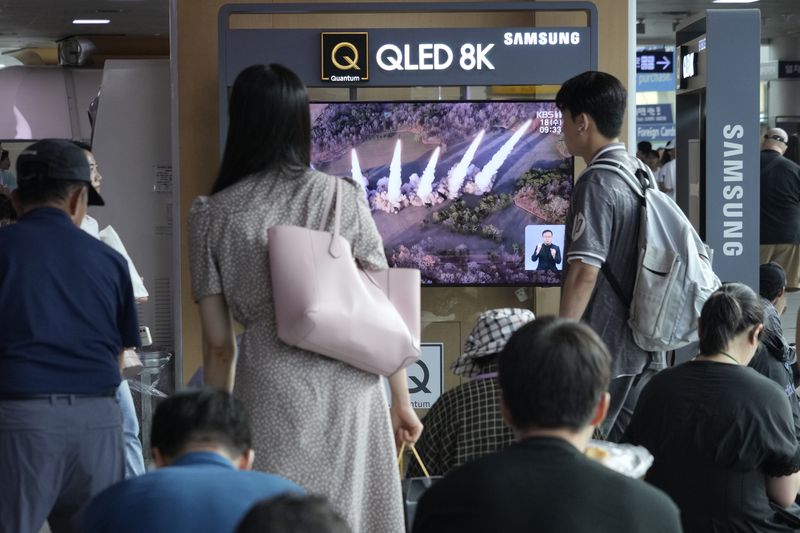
77 203
245 461
16 203
601 410
755 333
158 458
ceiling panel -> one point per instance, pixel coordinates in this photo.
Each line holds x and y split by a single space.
42 22
779 18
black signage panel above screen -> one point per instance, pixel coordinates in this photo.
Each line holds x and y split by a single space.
412 56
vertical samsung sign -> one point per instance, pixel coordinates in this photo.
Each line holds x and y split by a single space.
732 141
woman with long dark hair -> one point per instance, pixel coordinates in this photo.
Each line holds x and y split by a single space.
722 434
317 421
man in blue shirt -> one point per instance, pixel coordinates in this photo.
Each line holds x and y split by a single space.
67 312
202 444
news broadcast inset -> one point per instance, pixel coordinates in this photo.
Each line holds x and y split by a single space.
452 185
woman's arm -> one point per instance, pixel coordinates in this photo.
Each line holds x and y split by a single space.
219 342
783 490
405 423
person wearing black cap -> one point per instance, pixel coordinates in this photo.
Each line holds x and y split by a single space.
67 309
774 357
780 207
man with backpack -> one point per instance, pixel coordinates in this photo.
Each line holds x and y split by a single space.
602 237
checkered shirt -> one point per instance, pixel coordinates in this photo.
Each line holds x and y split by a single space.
464 424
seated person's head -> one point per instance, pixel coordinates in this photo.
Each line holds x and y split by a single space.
293 514
772 282
731 319
5 161
643 148
652 160
554 374
202 420
489 335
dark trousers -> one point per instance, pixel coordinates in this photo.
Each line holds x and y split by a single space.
55 455
624 392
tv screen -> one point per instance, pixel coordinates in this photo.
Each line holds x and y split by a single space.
471 193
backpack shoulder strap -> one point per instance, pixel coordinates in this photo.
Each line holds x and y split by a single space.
639 181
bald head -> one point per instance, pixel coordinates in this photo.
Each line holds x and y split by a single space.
775 139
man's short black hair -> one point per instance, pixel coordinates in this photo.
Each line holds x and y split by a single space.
293 514
553 372
43 191
206 416
771 280
598 94
644 146
547 231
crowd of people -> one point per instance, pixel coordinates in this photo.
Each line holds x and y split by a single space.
283 439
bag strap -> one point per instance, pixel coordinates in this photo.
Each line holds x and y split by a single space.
335 192
327 211
416 454
639 181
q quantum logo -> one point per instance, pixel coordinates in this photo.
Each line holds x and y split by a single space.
345 56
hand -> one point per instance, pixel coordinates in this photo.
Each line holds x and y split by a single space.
405 423
553 252
538 247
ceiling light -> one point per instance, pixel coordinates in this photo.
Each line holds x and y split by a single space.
91 21
734 1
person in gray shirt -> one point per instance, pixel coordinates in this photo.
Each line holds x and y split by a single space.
602 235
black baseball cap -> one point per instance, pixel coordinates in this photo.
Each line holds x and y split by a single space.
56 159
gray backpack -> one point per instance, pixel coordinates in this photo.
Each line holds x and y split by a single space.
673 273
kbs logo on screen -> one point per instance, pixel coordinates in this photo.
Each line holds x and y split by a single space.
345 56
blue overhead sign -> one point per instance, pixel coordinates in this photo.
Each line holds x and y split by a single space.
654 123
655 81
654 61
652 113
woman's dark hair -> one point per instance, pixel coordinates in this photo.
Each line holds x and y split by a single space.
730 310
598 94
552 373
269 125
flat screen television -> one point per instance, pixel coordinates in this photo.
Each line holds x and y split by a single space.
471 193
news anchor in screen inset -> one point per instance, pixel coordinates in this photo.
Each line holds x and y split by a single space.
547 254
543 244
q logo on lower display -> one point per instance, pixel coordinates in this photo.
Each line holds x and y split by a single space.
345 56
425 376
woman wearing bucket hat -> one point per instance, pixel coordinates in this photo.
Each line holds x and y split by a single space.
466 422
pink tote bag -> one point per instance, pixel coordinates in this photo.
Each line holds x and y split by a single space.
325 303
